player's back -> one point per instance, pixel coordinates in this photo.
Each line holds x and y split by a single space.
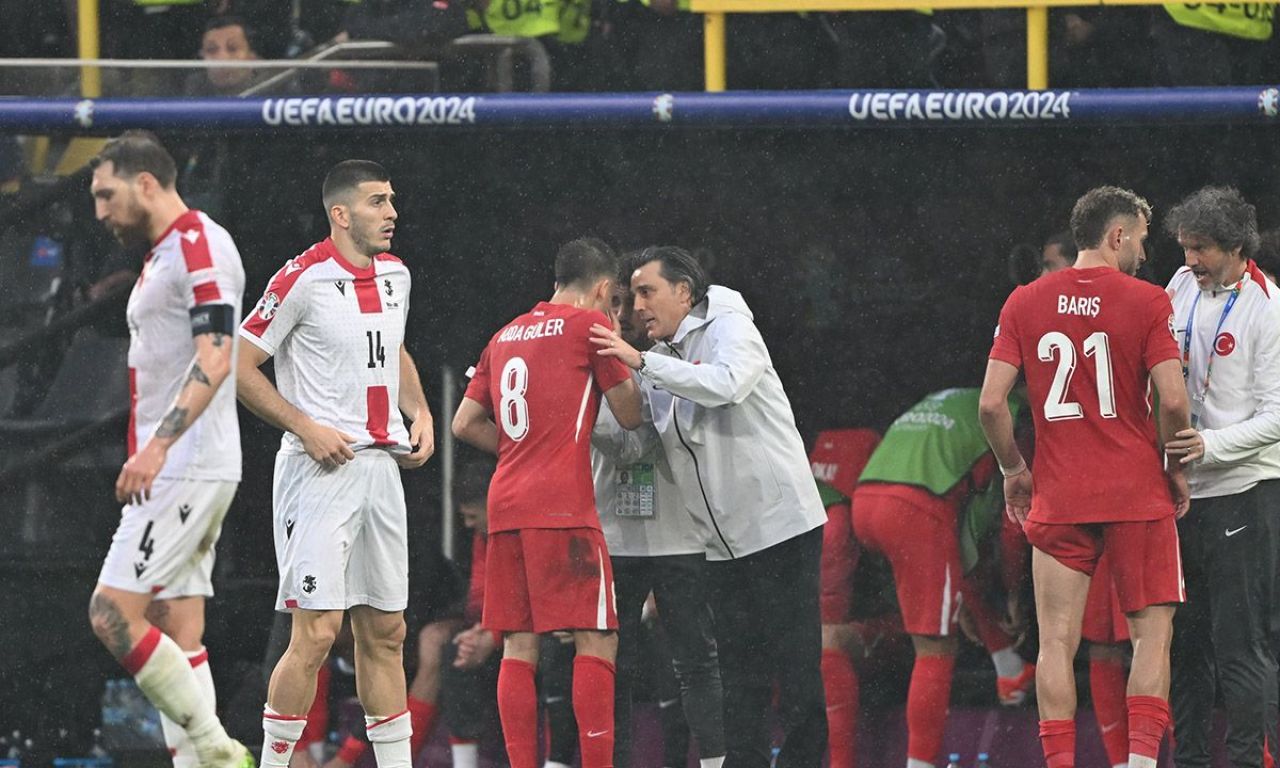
542 379
1086 340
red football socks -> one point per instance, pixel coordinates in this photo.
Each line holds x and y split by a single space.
1148 720
1058 740
841 682
422 714
1106 686
927 700
593 682
518 710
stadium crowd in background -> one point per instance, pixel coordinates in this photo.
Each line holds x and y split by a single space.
610 45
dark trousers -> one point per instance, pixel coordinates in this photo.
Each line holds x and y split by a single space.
678 584
468 697
1224 636
768 628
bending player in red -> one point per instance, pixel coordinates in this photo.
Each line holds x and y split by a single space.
1091 339
548 568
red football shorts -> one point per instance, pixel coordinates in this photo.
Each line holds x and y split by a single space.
1104 622
547 579
839 559
925 556
1146 564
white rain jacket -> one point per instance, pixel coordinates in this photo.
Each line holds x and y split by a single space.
728 430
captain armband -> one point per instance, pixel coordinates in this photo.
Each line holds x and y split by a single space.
213 318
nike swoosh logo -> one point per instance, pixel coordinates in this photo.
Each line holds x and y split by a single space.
1111 727
1237 530
596 734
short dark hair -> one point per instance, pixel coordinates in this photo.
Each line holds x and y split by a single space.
472 485
134 152
676 265
347 175
1268 255
230 20
1066 242
1097 207
584 261
1220 214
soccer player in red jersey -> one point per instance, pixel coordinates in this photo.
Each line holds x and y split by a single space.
1091 340
533 401
1104 623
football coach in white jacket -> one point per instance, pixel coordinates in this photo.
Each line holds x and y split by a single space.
731 440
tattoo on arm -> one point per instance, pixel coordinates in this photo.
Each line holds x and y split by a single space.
219 339
173 424
197 374
110 625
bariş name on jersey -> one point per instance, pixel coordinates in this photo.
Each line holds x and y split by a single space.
1084 306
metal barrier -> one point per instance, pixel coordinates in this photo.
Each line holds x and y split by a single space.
1037 23
848 109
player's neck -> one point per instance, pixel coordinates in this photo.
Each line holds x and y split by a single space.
164 212
1234 274
1095 258
570 296
349 251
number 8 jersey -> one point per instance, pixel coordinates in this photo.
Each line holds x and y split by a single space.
541 379
1087 340
335 331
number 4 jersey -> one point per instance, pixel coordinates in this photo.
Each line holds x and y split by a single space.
335 331
1087 340
541 378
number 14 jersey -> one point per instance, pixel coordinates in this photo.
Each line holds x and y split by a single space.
335 331
1087 340
541 379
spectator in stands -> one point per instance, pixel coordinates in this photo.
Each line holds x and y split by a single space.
226 38
1212 43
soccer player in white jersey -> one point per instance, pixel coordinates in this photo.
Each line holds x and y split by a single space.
334 318
184 445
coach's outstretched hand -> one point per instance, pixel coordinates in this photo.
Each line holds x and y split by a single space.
1017 496
327 445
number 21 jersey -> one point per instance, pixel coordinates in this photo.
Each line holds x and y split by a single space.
541 379
335 331
1087 340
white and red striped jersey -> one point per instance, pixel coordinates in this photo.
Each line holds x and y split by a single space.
194 263
335 331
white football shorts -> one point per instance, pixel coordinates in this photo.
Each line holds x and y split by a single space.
165 546
341 534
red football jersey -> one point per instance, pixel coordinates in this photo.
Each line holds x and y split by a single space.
541 378
1087 340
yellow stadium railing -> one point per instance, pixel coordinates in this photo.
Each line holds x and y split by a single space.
1037 23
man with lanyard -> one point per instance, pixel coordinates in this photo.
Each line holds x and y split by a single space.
1227 319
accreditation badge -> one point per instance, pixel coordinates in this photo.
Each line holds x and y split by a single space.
635 491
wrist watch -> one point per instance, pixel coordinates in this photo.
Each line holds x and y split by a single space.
640 368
